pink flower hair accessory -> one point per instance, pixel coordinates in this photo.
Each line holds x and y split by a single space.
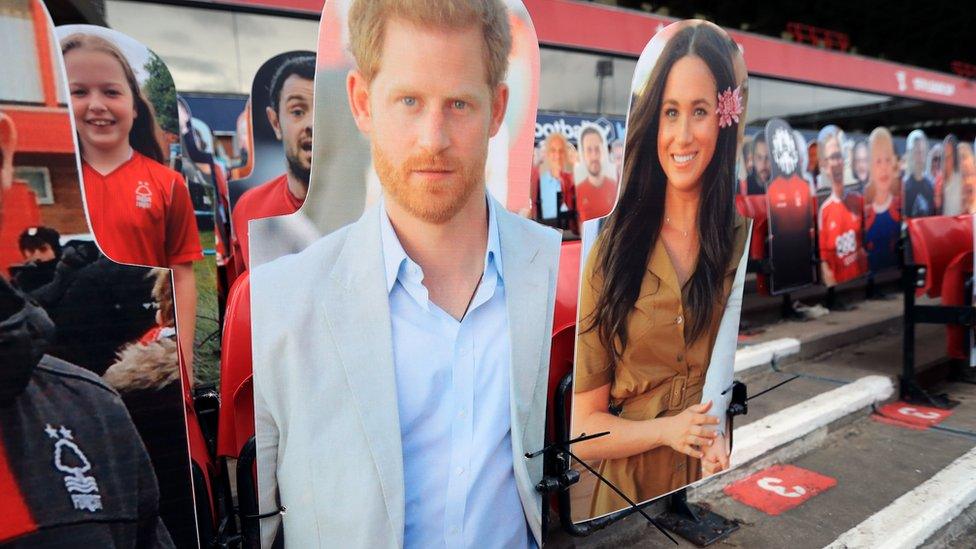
729 107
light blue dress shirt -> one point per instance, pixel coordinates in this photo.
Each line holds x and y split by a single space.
549 187
453 397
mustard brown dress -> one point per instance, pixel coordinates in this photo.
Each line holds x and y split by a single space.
659 374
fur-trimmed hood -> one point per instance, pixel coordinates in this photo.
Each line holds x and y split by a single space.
140 366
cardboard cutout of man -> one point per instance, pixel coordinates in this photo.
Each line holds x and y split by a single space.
842 256
595 195
290 115
761 172
399 359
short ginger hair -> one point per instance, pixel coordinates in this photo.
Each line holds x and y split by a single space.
367 20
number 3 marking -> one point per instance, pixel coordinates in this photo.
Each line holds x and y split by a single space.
913 412
773 484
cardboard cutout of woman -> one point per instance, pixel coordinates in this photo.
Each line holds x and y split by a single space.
661 289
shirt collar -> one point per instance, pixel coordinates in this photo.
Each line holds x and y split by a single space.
397 263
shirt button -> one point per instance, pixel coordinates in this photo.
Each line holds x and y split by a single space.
679 320
460 471
461 413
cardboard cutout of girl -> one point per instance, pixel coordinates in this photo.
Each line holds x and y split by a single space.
141 213
882 202
91 403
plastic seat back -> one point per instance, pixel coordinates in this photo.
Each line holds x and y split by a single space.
936 241
954 293
235 367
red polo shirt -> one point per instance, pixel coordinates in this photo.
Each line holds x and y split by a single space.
141 213
592 201
266 200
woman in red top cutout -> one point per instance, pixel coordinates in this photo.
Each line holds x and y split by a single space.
140 210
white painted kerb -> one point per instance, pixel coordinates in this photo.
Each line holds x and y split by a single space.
915 516
759 437
762 354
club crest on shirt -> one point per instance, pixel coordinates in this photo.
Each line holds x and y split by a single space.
143 195
69 459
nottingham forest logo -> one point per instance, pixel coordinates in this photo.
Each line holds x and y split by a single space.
69 459
784 150
143 195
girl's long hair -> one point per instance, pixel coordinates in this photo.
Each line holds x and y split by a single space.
142 136
635 224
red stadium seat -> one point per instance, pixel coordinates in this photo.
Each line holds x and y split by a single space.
754 207
959 270
936 241
203 467
563 338
235 430
564 320
235 368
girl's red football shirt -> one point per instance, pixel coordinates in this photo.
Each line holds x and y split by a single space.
141 213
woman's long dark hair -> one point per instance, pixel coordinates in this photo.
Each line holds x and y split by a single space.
142 136
635 224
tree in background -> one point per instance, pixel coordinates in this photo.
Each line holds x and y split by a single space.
161 92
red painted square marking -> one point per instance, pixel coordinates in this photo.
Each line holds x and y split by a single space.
913 415
779 488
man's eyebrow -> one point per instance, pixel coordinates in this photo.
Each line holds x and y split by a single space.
462 95
295 97
466 97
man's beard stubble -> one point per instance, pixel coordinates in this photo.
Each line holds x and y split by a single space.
590 168
298 170
296 167
435 203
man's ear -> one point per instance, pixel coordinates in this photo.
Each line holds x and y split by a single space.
273 120
357 90
499 104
